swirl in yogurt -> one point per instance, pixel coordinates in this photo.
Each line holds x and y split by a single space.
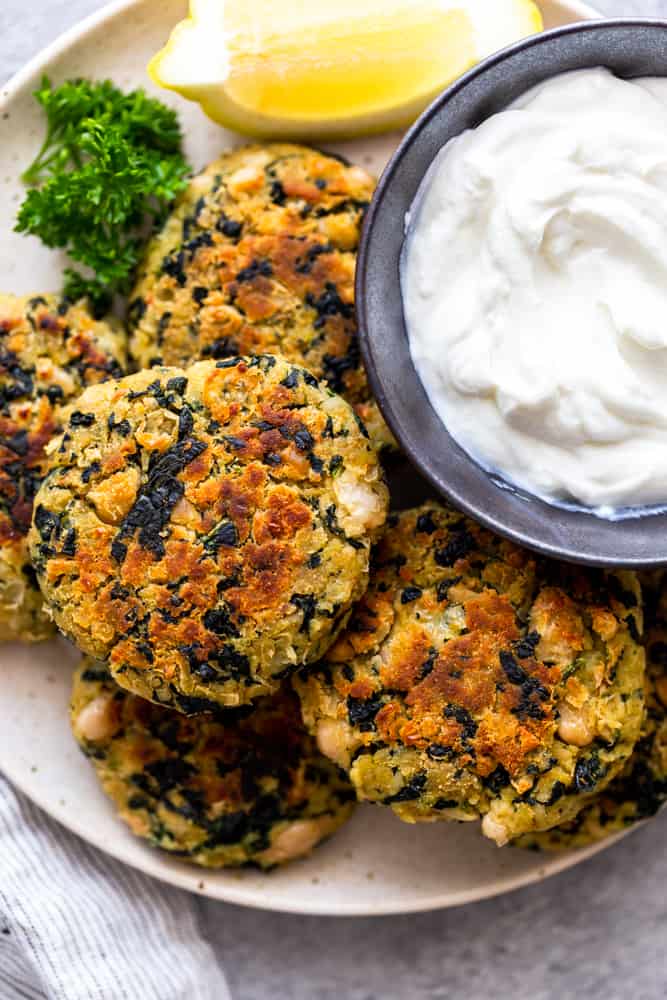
535 290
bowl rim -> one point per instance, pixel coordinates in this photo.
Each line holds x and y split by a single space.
418 459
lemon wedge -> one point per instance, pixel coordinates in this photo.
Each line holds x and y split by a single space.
330 68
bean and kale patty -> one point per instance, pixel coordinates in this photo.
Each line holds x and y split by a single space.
641 788
259 257
207 530
50 349
474 680
244 786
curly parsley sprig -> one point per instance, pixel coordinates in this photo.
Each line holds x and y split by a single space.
110 166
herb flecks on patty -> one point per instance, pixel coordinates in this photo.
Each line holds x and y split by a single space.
192 530
50 350
259 257
476 681
240 787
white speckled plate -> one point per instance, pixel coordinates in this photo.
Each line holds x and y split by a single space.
376 864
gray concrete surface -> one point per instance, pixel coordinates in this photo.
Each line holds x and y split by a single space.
597 932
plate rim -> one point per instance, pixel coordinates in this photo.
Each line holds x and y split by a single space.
79 30
191 878
194 879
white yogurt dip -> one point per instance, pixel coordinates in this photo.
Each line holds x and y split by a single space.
534 282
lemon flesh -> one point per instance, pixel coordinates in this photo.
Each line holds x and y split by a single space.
330 68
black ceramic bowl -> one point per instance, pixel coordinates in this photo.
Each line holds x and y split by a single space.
630 48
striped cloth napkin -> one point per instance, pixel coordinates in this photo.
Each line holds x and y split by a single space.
76 925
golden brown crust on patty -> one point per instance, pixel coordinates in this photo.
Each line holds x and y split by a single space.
50 350
641 788
474 680
242 787
259 257
208 530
